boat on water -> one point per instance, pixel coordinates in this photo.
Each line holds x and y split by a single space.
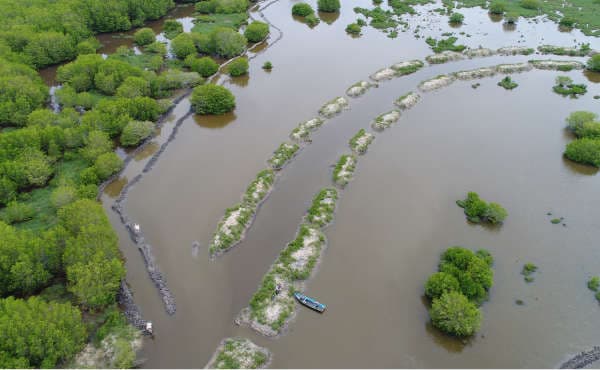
309 302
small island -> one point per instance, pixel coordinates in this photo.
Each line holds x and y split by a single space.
479 211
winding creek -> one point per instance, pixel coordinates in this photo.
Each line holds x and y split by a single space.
393 219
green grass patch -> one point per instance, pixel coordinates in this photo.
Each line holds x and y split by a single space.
259 188
361 141
321 211
447 44
282 155
344 170
208 23
239 353
231 228
508 83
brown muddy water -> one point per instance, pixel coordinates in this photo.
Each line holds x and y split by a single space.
393 220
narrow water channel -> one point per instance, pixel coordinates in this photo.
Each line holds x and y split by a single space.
393 220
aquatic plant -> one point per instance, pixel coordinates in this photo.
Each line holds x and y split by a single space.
528 270
584 124
267 66
594 283
330 6
585 151
205 66
353 29
555 221
385 120
256 31
333 107
565 86
454 314
312 20
282 155
456 18
344 170
136 131
361 141
440 283
477 210
497 7
446 44
143 36
508 83
239 353
302 9
303 130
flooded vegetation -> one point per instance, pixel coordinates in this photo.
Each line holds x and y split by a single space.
186 110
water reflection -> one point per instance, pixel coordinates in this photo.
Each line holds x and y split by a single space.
450 344
329 18
241 81
593 77
579 169
509 27
114 188
147 151
212 121
495 17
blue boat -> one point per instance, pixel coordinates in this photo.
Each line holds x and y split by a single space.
309 302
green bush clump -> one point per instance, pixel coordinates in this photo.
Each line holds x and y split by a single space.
584 150
511 18
353 29
528 270
238 67
530 4
135 132
454 314
477 210
183 45
576 121
206 6
312 20
567 22
87 47
440 283
267 66
457 18
227 43
156 48
594 284
172 28
462 283
565 86
329 6
205 66
447 44
508 83
555 221
302 9
212 99
593 64
107 164
63 195
16 212
497 7
256 31
144 36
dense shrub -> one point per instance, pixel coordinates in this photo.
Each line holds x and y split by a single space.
206 6
267 66
16 212
440 283
302 9
454 314
183 45
530 4
63 195
39 334
86 47
144 36
593 64
565 86
21 92
457 18
585 150
477 210
205 66
212 99
156 48
136 131
133 87
353 29
230 6
497 7
312 20
330 6
107 164
238 67
567 22
172 28
227 43
577 119
256 31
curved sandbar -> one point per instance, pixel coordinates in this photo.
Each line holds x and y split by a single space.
344 170
333 107
302 132
359 88
385 120
407 101
239 353
436 83
360 142
273 305
444 56
282 155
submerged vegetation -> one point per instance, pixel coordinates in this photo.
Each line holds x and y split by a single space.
447 44
527 271
456 291
477 210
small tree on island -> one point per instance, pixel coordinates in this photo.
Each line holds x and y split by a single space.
212 99
329 6
477 210
454 314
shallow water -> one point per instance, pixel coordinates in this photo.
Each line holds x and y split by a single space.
392 221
